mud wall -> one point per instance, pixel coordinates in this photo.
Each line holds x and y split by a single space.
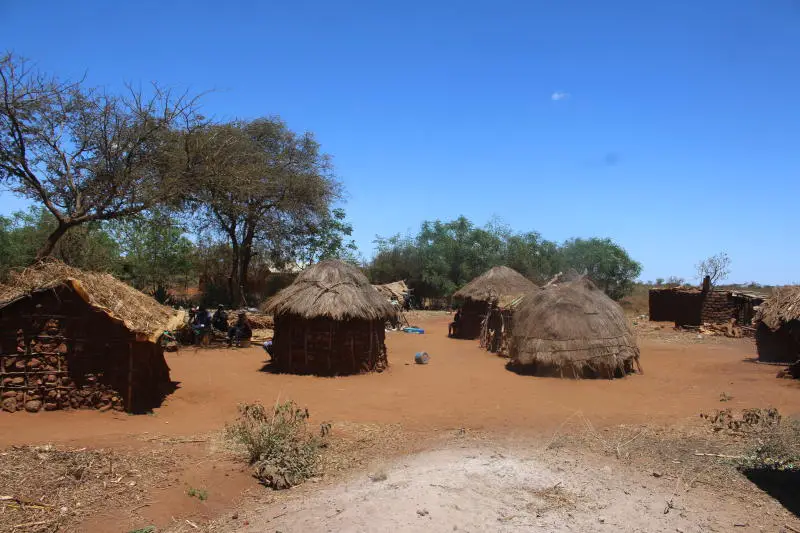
56 352
781 346
328 347
682 307
472 314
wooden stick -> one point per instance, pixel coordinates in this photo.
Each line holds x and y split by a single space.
699 454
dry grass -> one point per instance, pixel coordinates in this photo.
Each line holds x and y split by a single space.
277 443
49 489
140 313
331 289
781 307
500 284
572 329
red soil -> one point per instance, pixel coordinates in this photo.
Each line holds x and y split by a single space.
462 386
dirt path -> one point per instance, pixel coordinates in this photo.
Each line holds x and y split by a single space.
493 488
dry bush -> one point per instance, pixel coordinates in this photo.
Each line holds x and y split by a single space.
43 488
277 443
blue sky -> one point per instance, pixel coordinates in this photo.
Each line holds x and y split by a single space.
671 127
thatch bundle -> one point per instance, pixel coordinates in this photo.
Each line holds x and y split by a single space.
572 329
778 326
329 321
139 312
330 289
397 290
499 284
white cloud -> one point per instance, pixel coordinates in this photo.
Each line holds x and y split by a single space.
559 95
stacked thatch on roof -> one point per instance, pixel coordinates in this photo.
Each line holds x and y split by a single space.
572 329
778 326
498 288
330 321
396 290
70 339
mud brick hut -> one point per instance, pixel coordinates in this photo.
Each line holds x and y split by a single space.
75 339
778 326
693 306
497 288
572 329
330 321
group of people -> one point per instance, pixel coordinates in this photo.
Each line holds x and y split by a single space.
203 323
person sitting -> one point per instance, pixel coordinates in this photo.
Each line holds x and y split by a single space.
220 319
240 331
201 325
268 347
452 330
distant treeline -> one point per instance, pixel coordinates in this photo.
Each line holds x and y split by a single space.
444 255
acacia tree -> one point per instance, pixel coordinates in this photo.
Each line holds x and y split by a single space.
717 268
86 155
258 185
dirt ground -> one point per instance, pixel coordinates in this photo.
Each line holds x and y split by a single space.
463 389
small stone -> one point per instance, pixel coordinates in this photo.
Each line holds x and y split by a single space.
657 474
235 516
601 519
423 512
33 406
10 405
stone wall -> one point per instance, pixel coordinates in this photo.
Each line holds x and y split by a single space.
56 352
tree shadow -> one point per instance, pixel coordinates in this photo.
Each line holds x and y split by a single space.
783 485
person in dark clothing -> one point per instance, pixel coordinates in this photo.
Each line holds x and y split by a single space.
452 330
201 324
220 319
240 331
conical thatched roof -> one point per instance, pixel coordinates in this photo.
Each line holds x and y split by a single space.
139 312
572 329
499 283
331 289
781 307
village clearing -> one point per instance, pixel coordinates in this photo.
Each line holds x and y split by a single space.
458 444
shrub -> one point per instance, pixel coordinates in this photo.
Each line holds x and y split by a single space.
278 444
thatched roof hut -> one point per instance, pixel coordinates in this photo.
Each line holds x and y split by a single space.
70 338
572 329
329 321
778 326
499 287
498 284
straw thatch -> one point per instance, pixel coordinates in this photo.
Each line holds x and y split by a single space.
397 290
331 289
778 326
499 284
781 307
572 329
139 312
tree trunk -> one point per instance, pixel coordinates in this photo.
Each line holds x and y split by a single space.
233 279
47 249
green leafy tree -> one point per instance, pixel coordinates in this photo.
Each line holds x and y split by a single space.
605 262
328 238
257 183
23 234
157 253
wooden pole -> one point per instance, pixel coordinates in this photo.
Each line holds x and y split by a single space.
130 377
371 362
305 346
330 346
353 350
